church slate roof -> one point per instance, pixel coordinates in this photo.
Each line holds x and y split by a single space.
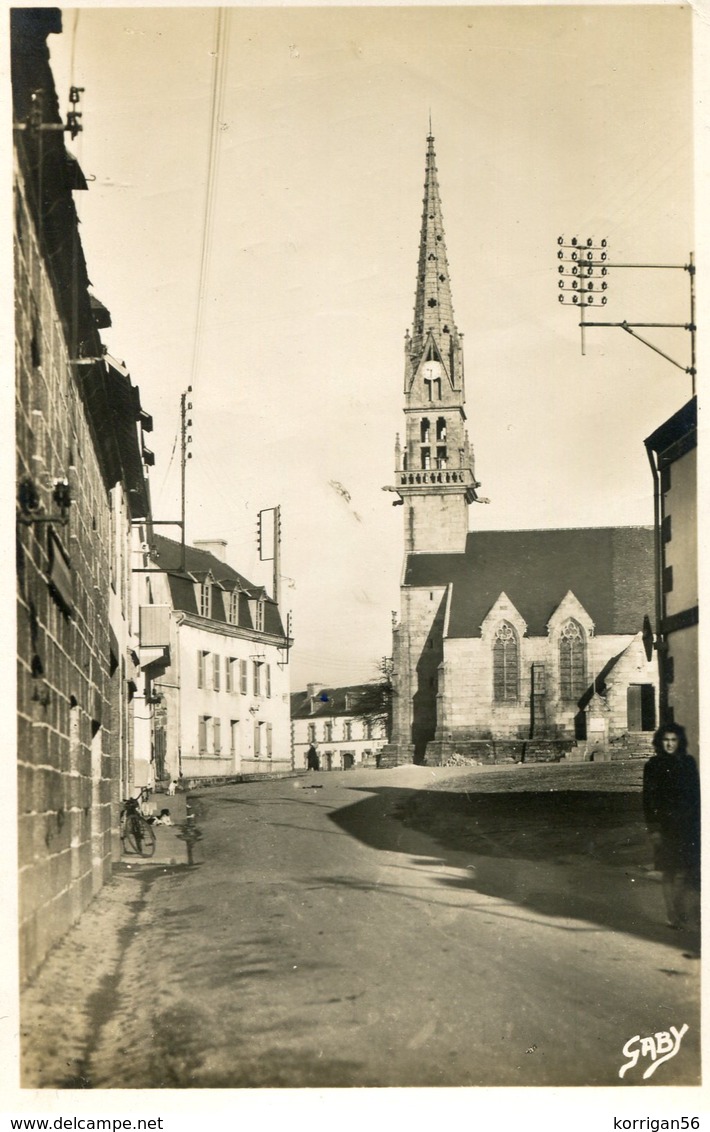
609 570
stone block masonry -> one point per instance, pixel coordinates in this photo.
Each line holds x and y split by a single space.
64 764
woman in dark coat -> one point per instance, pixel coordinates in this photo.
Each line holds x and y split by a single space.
671 805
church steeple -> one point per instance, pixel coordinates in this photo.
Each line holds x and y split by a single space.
433 308
434 468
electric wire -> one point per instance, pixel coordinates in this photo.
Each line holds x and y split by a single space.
217 102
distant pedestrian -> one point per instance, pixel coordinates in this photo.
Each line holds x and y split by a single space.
671 805
312 760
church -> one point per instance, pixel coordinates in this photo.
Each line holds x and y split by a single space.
517 644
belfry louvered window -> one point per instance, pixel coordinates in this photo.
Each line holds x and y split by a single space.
572 661
506 663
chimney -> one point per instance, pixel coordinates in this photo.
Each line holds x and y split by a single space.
215 546
312 690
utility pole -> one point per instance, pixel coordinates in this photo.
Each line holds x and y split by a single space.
275 545
185 405
582 266
265 545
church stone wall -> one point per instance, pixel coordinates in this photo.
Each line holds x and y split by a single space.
632 668
423 613
467 710
437 524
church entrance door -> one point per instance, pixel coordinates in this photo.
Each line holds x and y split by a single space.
640 707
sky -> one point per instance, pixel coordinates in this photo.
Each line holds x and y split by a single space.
282 295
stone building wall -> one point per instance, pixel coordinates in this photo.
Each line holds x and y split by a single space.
64 762
467 709
419 655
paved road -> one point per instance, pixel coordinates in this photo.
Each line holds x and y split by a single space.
320 942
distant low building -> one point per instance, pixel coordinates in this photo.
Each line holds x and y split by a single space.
341 723
214 652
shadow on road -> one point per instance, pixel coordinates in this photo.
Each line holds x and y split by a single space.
579 855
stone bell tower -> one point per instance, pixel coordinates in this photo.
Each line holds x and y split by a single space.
434 471
435 483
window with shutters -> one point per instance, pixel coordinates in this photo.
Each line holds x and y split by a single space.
204 729
573 666
311 732
506 664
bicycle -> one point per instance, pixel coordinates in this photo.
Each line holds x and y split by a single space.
136 832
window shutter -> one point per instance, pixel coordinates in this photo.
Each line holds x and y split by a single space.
216 664
202 735
269 739
200 669
267 668
227 673
243 677
217 731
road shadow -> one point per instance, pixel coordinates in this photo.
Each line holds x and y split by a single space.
580 855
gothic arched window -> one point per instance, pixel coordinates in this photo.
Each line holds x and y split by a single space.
506 663
573 681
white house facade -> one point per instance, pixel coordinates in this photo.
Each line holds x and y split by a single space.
215 656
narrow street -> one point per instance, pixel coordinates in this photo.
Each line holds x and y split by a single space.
321 941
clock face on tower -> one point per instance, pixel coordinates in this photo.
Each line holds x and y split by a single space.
431 376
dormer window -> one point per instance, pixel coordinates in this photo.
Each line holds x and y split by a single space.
233 608
256 608
206 598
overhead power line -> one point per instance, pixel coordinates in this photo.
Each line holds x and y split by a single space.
221 52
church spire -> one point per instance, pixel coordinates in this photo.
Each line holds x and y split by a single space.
433 307
434 470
